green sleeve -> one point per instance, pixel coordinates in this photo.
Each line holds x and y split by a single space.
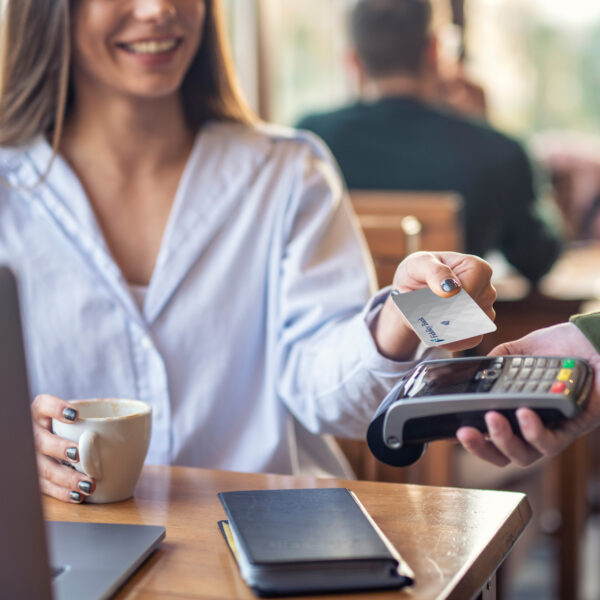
589 324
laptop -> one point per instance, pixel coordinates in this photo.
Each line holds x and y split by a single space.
41 560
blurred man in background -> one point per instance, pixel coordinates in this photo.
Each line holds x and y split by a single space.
396 137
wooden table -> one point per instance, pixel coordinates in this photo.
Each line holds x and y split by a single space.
454 539
576 274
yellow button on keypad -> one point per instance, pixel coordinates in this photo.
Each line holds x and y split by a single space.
564 374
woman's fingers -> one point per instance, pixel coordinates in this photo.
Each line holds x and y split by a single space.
441 279
56 455
474 273
52 445
46 407
445 273
486 301
63 482
426 268
49 488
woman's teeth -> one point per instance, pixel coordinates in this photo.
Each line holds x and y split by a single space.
151 47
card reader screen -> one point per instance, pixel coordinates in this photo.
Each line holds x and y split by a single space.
452 378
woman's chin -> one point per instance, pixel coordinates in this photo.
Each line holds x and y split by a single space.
153 90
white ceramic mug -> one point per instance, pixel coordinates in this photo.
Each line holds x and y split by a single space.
113 436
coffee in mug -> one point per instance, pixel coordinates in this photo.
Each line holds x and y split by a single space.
113 436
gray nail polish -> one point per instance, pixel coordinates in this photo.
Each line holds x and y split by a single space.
70 414
75 496
72 453
85 486
449 284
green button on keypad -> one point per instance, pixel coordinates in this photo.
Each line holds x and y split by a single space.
568 363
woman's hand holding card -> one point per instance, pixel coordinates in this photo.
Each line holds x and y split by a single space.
458 320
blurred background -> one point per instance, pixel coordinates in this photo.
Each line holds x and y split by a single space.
536 59
538 64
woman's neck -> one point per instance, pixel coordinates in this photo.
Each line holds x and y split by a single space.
127 135
129 157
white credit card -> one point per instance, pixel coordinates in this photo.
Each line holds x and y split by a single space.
439 321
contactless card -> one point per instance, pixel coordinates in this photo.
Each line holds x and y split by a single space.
439 321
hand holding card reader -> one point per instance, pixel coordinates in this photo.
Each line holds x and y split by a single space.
437 397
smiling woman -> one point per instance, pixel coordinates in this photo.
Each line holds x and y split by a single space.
36 33
141 50
170 248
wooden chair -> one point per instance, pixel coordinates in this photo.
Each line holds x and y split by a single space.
398 223
394 225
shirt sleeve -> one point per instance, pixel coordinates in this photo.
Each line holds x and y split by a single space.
589 324
331 377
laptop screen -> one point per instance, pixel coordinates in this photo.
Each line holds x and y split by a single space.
24 571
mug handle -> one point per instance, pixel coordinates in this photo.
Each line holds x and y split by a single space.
89 454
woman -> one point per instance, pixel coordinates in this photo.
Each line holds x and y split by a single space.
178 252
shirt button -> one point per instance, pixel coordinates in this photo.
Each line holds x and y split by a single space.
146 343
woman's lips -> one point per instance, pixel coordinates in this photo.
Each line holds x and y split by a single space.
151 47
152 53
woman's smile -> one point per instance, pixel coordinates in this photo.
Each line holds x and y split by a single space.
150 46
152 52
135 49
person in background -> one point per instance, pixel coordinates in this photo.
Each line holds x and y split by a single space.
396 137
578 338
171 248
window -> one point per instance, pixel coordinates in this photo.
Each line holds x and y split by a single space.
539 62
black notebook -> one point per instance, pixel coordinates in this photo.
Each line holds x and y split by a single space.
302 541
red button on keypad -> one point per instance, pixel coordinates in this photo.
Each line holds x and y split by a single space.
558 387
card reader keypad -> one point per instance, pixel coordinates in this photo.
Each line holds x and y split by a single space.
530 375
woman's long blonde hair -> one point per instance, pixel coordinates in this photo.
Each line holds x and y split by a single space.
35 88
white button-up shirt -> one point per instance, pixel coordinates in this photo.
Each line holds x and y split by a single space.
252 339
